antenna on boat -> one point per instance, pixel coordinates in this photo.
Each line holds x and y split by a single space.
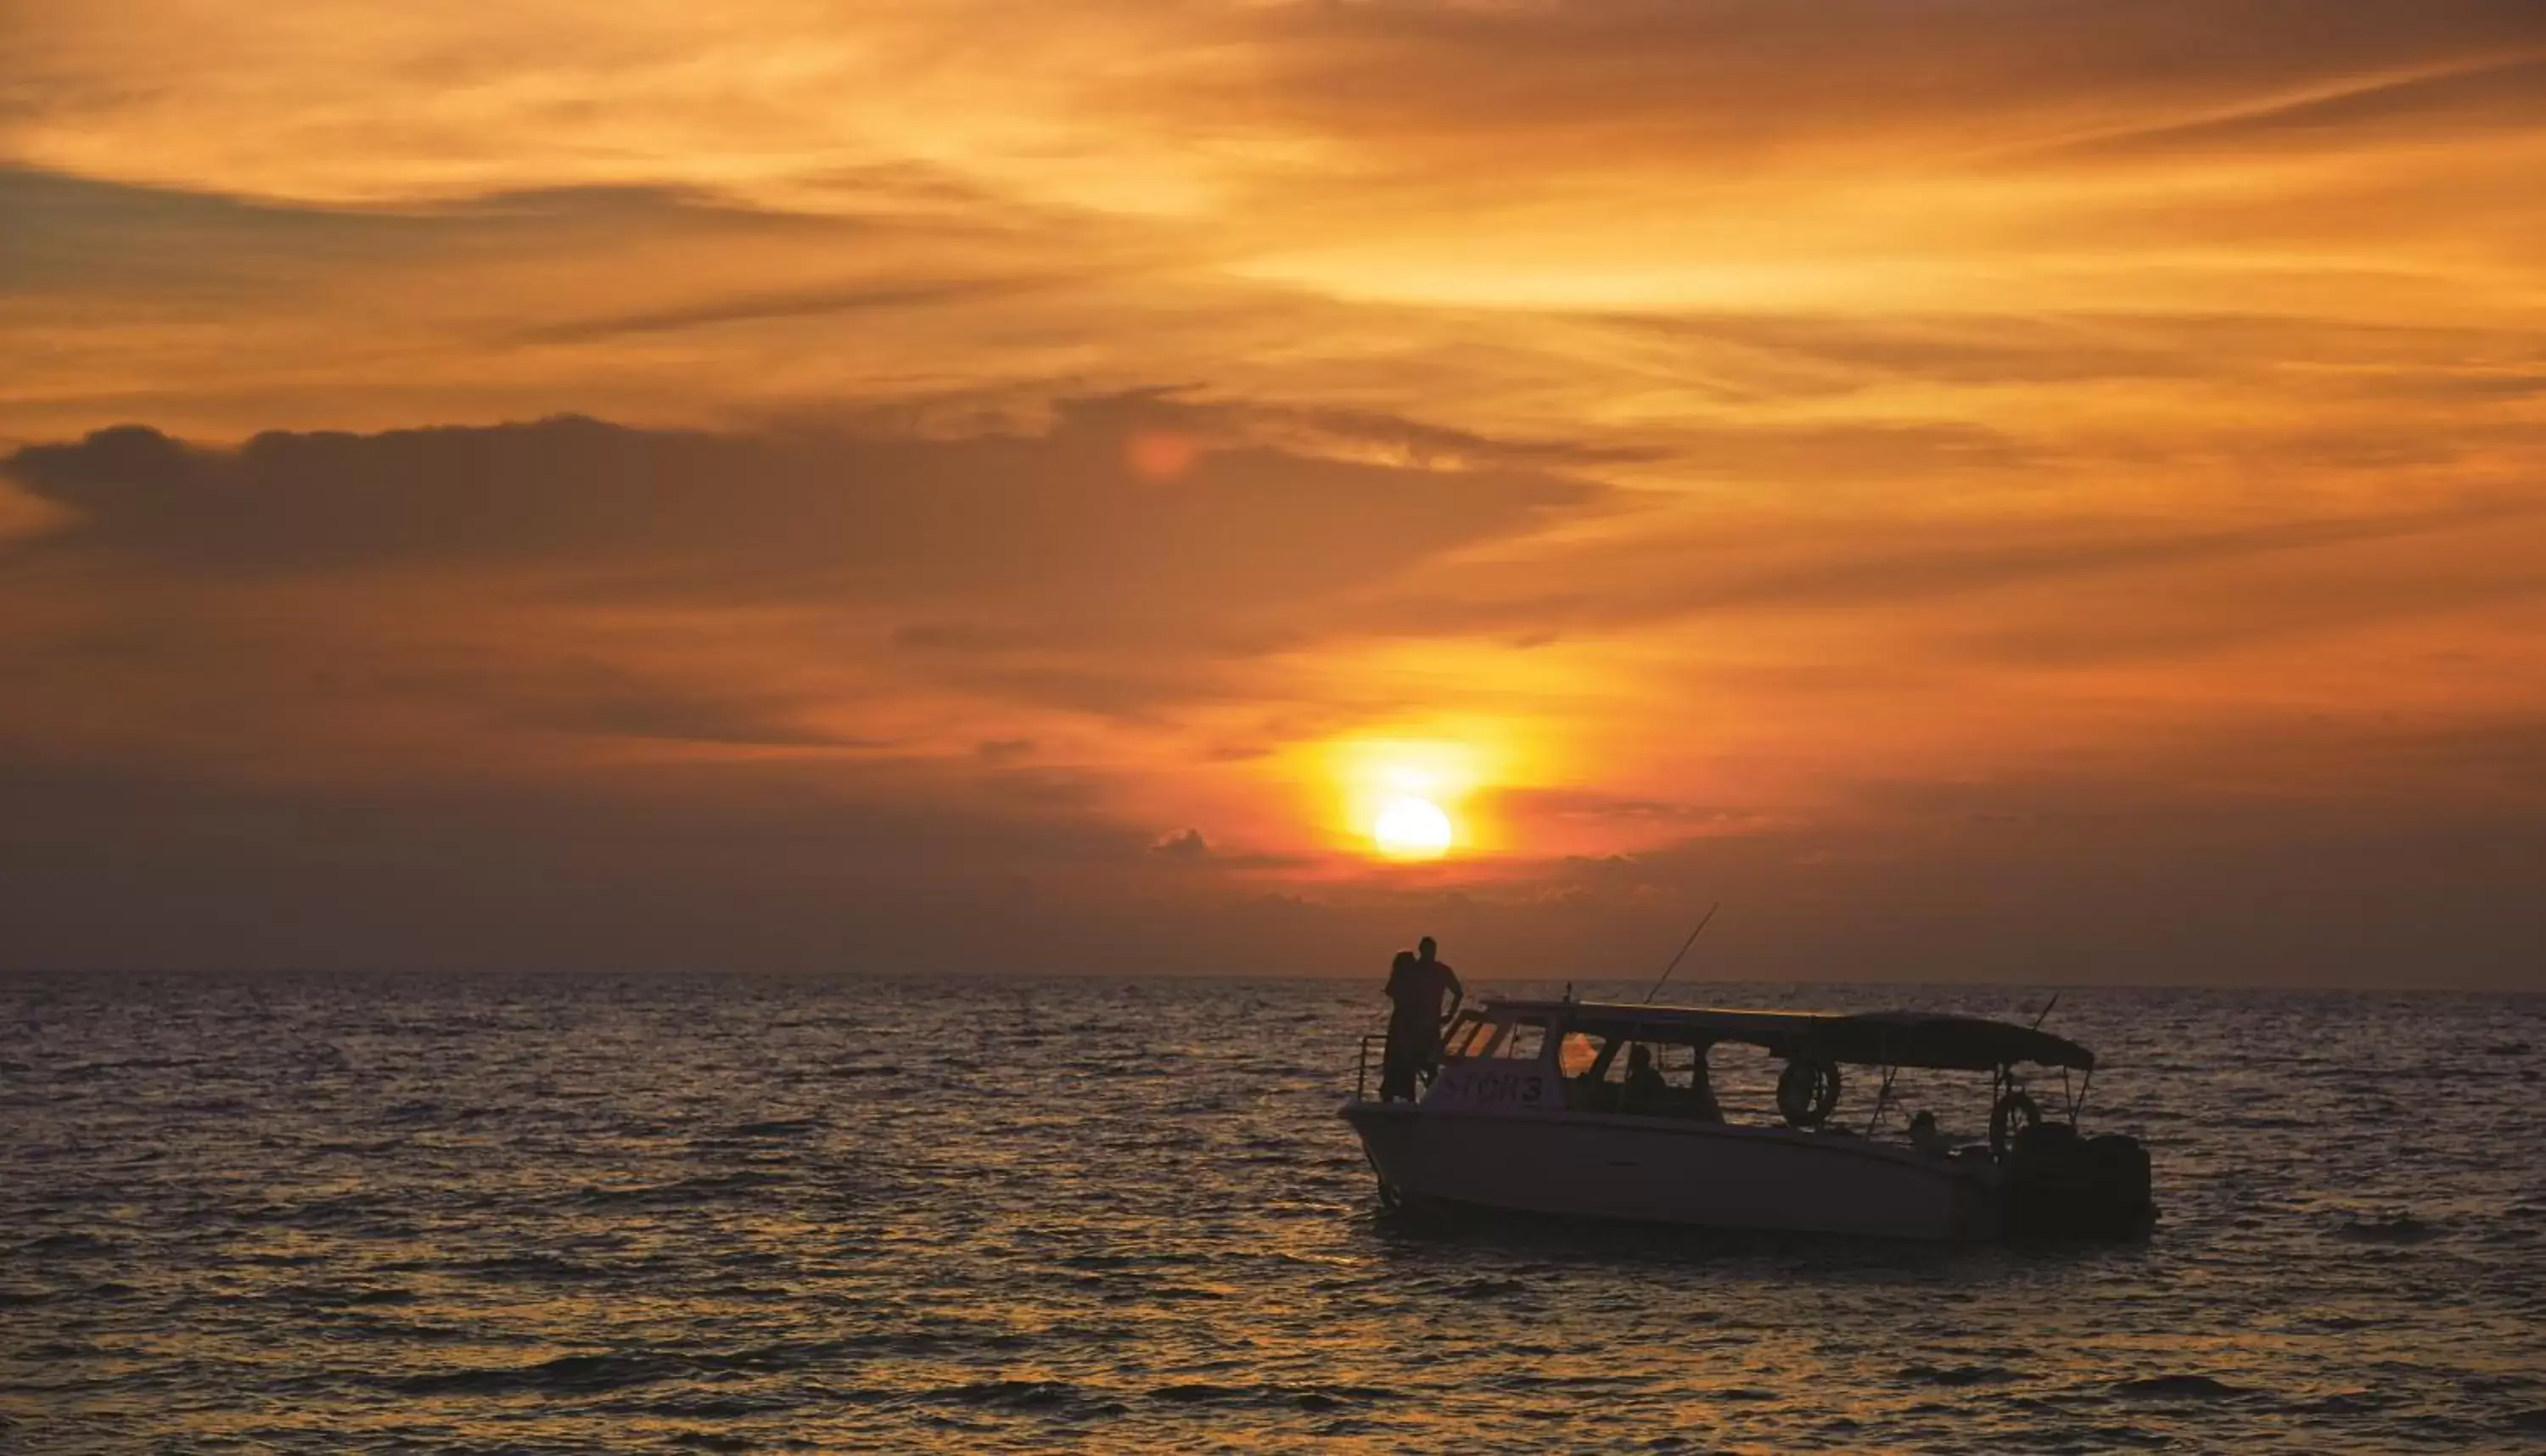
2046 1010
1683 950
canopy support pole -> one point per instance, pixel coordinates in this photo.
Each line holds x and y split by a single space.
1881 1096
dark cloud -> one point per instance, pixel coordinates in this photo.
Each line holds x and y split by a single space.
1591 806
1361 432
1029 538
1181 844
583 697
75 234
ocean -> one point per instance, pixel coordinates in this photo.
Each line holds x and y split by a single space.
314 1213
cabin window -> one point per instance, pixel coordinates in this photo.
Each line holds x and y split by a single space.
1470 1036
1527 1039
1682 1065
1745 1081
1625 1058
1580 1053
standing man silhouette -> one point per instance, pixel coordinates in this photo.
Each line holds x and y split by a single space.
1414 987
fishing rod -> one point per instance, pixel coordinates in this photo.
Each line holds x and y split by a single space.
1683 950
2046 1009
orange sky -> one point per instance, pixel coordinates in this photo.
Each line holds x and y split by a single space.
1982 488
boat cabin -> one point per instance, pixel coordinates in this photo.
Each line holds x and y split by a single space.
1686 1063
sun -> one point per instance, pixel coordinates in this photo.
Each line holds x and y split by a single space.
1412 828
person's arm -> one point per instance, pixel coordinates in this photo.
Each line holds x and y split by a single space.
1458 993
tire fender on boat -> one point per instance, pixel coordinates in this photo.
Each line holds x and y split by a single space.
2013 1113
1807 1091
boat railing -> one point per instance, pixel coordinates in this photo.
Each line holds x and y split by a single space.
1361 1070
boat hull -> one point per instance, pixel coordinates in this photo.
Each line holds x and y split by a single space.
1673 1170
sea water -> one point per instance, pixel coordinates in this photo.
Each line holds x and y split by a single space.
358 1213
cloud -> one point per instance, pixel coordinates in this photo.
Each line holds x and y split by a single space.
78 230
1876 80
2111 581
592 699
1045 533
800 304
1838 354
2495 94
1590 804
1181 844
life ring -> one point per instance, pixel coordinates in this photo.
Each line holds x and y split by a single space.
1807 1091
2014 1113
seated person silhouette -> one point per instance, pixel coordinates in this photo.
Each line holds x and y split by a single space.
1586 1092
1929 1139
1698 1100
1644 1091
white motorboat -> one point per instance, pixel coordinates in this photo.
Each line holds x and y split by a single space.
1593 1110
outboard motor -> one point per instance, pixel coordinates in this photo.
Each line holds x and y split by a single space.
2059 1185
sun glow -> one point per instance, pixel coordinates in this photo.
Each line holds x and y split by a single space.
1409 796
1412 828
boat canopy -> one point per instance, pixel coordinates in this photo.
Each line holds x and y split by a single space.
1866 1039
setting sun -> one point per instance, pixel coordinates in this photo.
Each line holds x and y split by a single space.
1412 828
1412 794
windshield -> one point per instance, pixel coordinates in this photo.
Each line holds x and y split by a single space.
1527 1038
1469 1035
